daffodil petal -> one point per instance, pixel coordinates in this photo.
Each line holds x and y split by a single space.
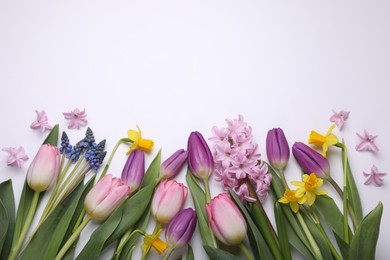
294 206
133 135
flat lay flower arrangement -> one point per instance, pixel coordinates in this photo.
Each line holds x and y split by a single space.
232 225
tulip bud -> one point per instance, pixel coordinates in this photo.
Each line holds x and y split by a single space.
226 220
43 171
278 151
310 161
105 197
200 159
168 199
179 231
134 170
172 166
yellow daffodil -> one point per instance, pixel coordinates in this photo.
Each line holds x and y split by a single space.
155 241
309 188
145 145
325 141
290 197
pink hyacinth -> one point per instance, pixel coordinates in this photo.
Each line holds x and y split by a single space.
236 158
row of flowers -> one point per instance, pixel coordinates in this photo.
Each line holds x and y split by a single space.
235 218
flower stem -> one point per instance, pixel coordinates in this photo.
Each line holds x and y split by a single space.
313 244
26 226
73 238
345 199
281 172
123 140
207 189
126 237
169 252
245 251
335 254
157 229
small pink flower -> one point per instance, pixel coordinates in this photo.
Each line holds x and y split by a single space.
367 142
16 155
339 118
76 118
374 176
41 122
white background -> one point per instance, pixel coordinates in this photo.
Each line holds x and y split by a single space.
173 67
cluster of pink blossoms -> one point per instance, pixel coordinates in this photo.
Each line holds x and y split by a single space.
236 160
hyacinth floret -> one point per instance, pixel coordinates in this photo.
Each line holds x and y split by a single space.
236 160
95 163
65 147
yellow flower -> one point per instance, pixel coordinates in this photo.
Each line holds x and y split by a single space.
290 197
309 188
155 241
145 145
325 141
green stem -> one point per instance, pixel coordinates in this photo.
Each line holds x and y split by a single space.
126 237
208 199
157 228
281 172
245 251
345 199
26 226
169 252
313 244
73 238
335 254
123 140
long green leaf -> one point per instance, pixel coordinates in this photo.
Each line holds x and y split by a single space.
282 231
217 254
4 221
259 247
152 172
363 244
198 196
8 201
190 253
353 195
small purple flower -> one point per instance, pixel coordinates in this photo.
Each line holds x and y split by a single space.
134 170
180 229
310 161
172 166
41 122
16 155
278 151
200 159
367 142
339 118
76 118
374 177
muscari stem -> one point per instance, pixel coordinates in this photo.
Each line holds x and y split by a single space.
72 239
15 249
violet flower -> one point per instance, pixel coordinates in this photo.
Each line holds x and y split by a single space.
278 151
179 231
374 177
339 118
76 118
16 155
367 142
134 170
172 166
41 122
311 161
200 159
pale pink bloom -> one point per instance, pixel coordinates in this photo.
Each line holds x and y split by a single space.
16 155
168 199
367 142
339 118
105 197
219 134
226 220
374 176
41 122
76 118
43 171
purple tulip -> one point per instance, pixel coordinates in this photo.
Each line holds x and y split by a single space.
200 159
278 151
179 231
311 161
134 170
172 166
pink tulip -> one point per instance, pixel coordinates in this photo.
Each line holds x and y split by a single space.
226 220
43 171
168 199
105 197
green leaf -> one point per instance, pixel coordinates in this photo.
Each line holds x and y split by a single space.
259 247
297 243
152 172
190 253
364 241
8 201
217 254
353 195
4 221
52 138
48 239
282 231
199 198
